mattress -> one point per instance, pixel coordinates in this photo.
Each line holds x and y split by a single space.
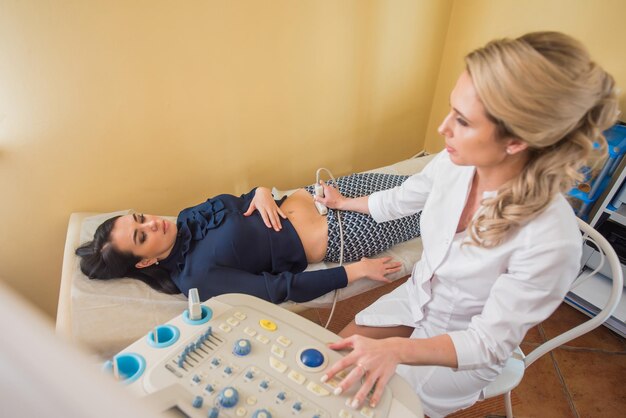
106 316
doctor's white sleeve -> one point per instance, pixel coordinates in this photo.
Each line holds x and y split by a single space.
407 198
537 280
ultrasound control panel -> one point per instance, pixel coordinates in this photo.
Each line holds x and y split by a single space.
246 357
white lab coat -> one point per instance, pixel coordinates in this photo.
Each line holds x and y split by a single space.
484 299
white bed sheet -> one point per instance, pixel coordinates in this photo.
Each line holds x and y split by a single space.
106 316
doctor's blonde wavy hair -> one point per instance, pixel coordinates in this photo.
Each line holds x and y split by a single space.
544 89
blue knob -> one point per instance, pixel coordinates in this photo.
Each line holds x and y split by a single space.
213 413
312 357
228 397
197 402
281 396
249 375
215 362
196 378
242 347
228 370
264 384
209 388
297 406
261 413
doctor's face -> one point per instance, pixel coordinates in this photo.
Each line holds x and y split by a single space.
470 136
147 236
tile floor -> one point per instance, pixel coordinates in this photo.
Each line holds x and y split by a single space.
584 378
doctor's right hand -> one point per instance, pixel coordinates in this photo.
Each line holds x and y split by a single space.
370 362
332 198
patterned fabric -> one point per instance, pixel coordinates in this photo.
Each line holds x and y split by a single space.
362 236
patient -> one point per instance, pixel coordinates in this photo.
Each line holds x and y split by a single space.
251 244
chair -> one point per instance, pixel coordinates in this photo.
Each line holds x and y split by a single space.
516 365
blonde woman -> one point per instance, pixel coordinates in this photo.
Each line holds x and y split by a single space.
501 243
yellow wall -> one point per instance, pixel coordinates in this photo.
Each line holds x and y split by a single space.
599 24
155 105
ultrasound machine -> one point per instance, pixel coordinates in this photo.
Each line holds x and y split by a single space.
239 356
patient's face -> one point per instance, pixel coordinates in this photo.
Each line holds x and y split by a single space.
147 236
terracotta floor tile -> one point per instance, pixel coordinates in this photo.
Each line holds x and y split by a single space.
311 315
566 317
595 381
533 336
341 317
540 392
493 407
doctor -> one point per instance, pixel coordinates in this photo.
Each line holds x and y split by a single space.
501 243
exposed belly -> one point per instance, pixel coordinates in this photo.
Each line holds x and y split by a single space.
311 227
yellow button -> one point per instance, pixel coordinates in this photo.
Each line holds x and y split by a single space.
332 383
296 377
262 338
277 365
317 389
268 325
277 351
284 341
344 414
367 412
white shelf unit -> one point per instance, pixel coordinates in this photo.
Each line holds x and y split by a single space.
591 292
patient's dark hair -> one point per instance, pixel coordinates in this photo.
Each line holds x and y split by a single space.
99 260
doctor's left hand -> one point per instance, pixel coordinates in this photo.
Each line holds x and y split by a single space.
374 361
264 202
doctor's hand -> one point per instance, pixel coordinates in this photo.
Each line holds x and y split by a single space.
372 268
332 198
264 202
371 363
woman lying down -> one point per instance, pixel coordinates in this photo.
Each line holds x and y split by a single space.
250 244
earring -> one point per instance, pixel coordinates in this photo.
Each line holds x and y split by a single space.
508 151
157 262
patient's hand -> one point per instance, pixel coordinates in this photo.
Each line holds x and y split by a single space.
263 201
372 268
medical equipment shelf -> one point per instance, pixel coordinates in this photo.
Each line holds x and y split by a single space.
590 189
617 215
608 217
592 292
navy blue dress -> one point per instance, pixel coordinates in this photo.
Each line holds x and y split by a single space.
218 250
